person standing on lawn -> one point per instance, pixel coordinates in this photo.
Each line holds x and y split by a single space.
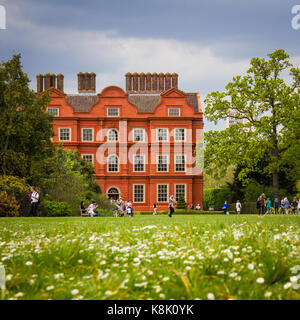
260 205
225 207
171 206
238 207
298 206
276 205
34 197
154 209
286 205
294 205
268 205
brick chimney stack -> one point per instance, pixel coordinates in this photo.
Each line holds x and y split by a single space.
86 82
39 83
60 82
150 83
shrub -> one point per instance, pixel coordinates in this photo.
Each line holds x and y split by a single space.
8 205
57 209
181 204
215 197
17 187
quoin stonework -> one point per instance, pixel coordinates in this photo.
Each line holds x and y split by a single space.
143 141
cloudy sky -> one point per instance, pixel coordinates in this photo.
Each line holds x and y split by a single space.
206 42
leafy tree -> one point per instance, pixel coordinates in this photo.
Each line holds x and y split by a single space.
268 108
25 127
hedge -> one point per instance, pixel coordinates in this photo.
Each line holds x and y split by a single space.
57 209
247 207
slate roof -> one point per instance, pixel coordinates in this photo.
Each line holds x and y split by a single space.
144 102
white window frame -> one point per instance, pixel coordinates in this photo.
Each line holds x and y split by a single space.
173 108
185 190
108 163
164 184
168 162
144 162
92 134
88 154
109 132
157 140
114 108
144 192
175 155
70 133
55 115
184 134
133 134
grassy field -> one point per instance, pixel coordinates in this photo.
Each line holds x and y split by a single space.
151 257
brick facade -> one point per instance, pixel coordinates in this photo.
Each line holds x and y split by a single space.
86 117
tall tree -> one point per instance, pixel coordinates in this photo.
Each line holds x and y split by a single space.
266 102
25 127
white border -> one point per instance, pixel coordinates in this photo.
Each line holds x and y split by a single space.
165 184
185 190
113 108
144 193
93 135
168 163
174 108
174 134
144 134
69 134
108 163
108 135
175 162
168 136
54 108
133 162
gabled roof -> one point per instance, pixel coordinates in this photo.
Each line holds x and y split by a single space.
145 103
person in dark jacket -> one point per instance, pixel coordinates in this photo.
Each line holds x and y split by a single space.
276 205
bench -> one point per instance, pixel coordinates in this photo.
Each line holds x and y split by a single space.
84 214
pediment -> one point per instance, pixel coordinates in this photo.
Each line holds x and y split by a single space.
173 93
112 92
55 93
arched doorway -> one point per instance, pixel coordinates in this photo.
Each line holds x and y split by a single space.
113 193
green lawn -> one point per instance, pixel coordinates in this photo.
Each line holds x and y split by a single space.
151 257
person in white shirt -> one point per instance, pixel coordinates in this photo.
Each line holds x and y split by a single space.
34 198
238 207
92 209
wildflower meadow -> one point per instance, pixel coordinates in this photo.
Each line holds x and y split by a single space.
151 257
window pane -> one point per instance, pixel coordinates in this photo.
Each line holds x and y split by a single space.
88 157
113 135
179 163
138 135
174 112
87 135
64 134
53 111
138 193
113 164
179 191
162 134
162 193
113 112
139 163
162 163
179 134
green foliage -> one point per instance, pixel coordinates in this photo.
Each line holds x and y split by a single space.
271 110
247 207
18 188
25 127
215 197
181 204
57 209
8 205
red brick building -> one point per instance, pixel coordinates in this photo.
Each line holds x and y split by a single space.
142 141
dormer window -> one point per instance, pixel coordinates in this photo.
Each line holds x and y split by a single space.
113 112
174 112
53 111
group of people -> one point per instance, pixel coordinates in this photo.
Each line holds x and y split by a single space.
264 204
122 208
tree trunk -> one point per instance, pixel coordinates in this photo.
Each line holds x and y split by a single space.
275 171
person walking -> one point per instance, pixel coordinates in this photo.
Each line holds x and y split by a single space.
225 207
286 205
268 205
263 203
171 206
155 209
299 206
34 198
294 205
260 205
276 205
238 207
